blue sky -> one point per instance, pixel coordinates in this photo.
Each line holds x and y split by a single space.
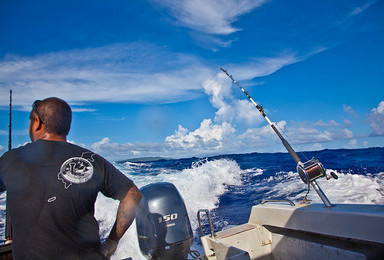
143 77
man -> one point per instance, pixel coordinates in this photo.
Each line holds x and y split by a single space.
52 186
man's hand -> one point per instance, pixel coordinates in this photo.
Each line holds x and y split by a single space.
108 247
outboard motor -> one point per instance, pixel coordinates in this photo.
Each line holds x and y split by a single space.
163 227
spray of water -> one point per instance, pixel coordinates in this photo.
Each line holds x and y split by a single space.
348 189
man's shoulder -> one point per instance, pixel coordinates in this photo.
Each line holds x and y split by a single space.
17 150
79 151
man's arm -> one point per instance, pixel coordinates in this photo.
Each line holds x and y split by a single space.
125 215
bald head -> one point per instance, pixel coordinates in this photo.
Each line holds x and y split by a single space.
55 114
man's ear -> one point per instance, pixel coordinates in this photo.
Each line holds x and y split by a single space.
36 127
40 125
37 124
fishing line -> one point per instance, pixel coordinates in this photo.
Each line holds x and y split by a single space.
292 142
214 75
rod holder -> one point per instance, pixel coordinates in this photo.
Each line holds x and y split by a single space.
321 194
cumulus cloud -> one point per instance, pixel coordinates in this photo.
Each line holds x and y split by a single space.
260 137
211 17
376 120
208 139
208 136
229 108
234 110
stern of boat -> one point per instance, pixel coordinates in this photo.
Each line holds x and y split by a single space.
277 230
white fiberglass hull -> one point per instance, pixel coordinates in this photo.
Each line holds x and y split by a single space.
281 231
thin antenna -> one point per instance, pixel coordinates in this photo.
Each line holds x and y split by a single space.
8 226
10 121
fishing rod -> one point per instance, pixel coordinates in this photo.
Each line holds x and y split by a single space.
309 171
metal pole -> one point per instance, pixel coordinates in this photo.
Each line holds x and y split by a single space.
10 121
321 194
8 226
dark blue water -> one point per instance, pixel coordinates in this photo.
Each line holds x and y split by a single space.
270 176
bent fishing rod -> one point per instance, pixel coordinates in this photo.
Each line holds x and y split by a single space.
309 171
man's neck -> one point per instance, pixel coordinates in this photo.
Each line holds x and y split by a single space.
52 137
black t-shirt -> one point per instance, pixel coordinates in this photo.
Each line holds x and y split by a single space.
51 190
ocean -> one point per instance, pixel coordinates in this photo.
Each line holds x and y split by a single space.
228 185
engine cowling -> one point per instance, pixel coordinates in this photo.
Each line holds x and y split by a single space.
163 227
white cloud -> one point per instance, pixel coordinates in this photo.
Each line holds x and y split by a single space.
136 72
256 137
117 151
352 143
220 138
302 133
208 136
222 134
263 66
349 110
348 123
132 73
75 109
331 123
208 139
376 120
247 112
317 147
211 17
359 9
218 90
312 147
230 109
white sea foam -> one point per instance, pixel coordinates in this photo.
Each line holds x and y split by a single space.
348 189
200 186
132 166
